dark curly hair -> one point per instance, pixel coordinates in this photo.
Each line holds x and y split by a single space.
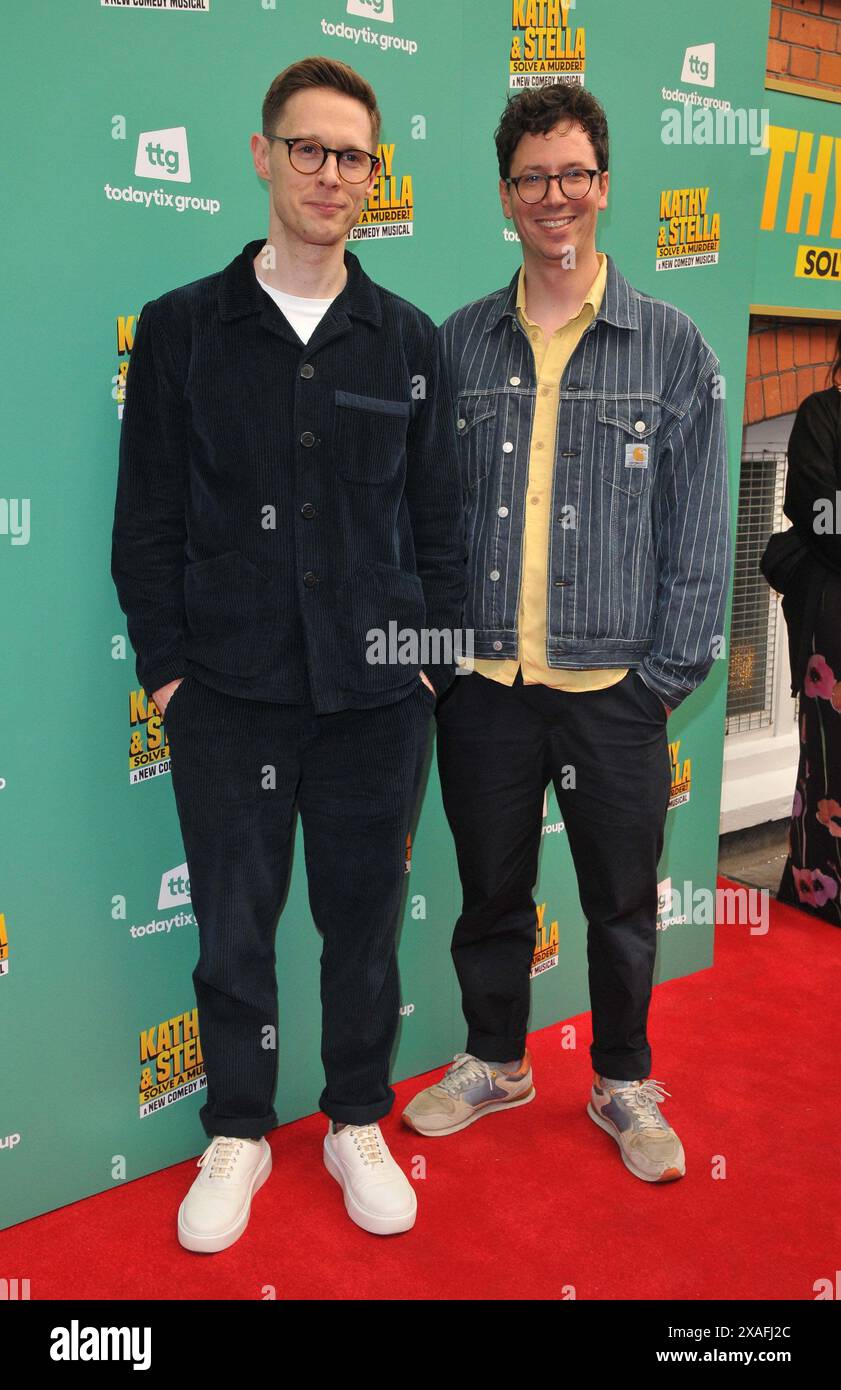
536 110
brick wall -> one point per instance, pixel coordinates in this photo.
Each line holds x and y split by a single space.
787 360
805 42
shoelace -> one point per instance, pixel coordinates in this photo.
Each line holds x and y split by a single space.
223 1157
367 1140
642 1100
463 1069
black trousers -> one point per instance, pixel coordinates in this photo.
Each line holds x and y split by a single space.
498 749
240 768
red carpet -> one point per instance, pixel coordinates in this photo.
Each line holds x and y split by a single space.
523 1205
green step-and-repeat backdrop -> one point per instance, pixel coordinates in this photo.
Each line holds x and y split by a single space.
128 172
798 261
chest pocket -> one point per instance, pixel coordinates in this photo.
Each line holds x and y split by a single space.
628 445
475 426
369 437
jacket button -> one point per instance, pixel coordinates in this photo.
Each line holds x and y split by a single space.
310 579
494 575
307 371
508 447
561 583
639 426
308 510
307 439
502 511
497 646
462 424
515 381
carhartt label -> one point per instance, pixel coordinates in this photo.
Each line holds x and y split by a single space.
636 455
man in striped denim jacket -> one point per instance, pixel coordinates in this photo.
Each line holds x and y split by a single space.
594 471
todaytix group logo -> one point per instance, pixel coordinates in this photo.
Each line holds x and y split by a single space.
383 10
545 46
666 916
175 887
690 229
699 65
698 70
553 827
171 1062
174 894
390 206
163 157
148 754
163 154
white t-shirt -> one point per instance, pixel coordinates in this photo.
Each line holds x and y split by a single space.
304 314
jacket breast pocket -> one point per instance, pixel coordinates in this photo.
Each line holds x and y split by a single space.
628 442
476 426
370 437
230 614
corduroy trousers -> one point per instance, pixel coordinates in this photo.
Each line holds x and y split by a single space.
241 769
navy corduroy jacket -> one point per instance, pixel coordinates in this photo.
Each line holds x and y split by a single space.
277 502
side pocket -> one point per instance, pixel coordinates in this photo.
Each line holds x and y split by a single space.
446 701
432 700
655 704
378 604
173 699
231 614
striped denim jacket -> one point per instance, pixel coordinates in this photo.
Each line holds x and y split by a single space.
639 545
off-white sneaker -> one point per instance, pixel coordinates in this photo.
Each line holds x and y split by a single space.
215 1211
378 1195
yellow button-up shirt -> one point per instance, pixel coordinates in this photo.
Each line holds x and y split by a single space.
550 358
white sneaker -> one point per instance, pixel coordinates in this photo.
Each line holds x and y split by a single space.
378 1195
216 1209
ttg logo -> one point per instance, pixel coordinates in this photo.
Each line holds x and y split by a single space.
699 65
162 154
175 887
383 10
